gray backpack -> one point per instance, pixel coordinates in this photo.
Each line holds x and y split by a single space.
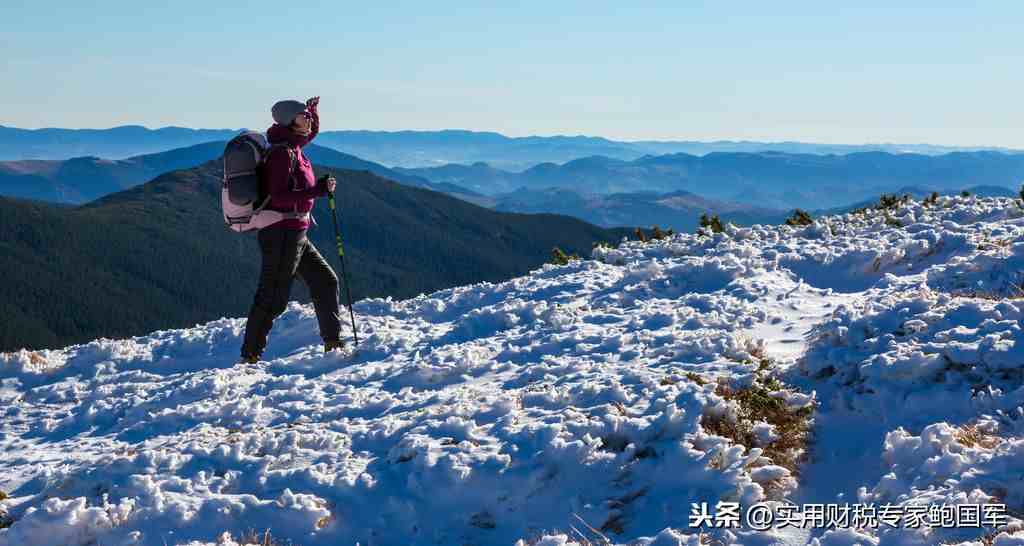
242 197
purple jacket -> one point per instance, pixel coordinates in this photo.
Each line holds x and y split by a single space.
283 195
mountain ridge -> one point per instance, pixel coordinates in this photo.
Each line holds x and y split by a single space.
414 148
107 259
82 179
771 179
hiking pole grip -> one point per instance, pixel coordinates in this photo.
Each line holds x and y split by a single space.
341 257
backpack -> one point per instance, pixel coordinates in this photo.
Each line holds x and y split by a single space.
243 199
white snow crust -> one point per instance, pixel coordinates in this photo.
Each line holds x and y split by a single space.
563 405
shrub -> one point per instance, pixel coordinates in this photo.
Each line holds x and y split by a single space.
658 234
696 378
561 258
713 222
890 202
800 217
756 403
892 222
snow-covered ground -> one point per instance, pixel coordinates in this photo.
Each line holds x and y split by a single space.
588 402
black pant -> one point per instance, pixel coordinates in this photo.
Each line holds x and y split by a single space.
286 253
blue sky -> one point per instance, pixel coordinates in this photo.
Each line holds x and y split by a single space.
937 72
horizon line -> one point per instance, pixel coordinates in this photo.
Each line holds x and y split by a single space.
978 147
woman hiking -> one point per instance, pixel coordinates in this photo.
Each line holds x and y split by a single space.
286 251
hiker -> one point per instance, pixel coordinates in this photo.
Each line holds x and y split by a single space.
286 250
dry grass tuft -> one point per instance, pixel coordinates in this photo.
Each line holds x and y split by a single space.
972 436
799 217
1014 292
755 404
714 223
988 539
658 234
696 378
35 360
708 540
558 257
5 519
253 537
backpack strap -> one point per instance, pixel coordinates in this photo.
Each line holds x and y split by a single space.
294 160
264 206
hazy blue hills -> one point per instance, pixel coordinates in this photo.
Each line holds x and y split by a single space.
792 147
678 210
667 190
411 148
436 148
82 179
158 255
767 179
115 143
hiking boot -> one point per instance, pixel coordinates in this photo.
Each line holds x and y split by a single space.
250 358
333 346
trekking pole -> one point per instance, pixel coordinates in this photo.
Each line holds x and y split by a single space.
341 255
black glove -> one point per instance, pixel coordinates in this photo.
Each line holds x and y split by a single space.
321 183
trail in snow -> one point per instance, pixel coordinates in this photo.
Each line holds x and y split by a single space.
489 413
844 453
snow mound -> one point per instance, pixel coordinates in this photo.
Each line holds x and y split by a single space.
599 398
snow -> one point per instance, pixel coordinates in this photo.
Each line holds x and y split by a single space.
564 406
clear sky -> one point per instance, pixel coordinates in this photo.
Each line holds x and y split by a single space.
937 72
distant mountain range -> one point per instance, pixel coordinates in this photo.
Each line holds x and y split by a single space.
83 179
159 256
436 148
677 210
668 190
80 180
769 179
116 142
412 148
